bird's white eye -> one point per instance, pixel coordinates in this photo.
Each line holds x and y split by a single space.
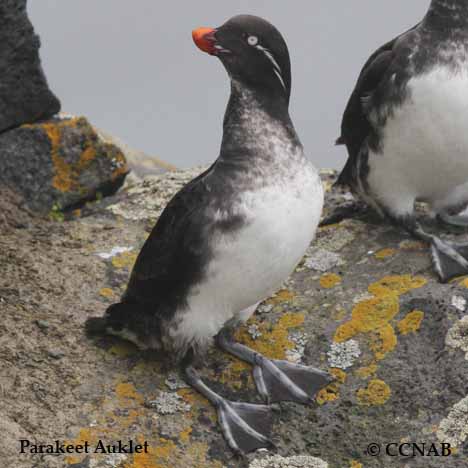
252 40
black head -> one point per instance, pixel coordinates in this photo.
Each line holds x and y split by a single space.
253 52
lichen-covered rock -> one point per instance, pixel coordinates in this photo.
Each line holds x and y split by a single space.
24 94
371 311
59 164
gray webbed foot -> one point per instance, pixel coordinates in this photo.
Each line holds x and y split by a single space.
450 260
285 381
246 427
454 220
278 380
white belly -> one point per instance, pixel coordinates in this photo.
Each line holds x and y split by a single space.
252 263
425 153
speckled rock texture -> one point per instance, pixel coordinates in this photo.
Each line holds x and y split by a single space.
59 164
364 303
24 94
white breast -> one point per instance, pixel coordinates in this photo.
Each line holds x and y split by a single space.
425 153
253 262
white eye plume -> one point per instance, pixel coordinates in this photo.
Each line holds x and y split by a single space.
252 40
276 67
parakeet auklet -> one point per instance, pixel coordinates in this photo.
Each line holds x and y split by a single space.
406 129
231 236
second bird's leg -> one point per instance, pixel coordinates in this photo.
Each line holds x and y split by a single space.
246 427
277 380
450 259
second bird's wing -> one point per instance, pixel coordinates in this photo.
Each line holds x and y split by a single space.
356 127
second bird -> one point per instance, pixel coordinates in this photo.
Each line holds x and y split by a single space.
406 129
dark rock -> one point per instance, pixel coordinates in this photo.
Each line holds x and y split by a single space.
59 164
24 94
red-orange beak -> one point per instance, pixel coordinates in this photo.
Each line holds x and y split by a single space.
205 39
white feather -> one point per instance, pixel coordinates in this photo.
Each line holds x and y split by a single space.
425 152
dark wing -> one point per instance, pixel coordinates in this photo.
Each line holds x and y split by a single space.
174 255
355 126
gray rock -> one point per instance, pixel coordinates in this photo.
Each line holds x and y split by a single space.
24 94
391 321
58 164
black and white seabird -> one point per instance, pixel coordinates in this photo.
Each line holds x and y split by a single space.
231 236
406 129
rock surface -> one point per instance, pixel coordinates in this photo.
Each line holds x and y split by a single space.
58 164
364 302
24 94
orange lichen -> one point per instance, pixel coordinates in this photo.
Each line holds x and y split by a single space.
376 393
383 341
330 280
273 342
67 173
368 315
332 391
284 295
398 284
355 464
128 391
106 292
185 434
124 260
411 323
464 282
328 394
368 371
374 315
385 253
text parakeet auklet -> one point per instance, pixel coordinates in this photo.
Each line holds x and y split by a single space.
231 236
406 129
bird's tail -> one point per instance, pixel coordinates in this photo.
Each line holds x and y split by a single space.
113 315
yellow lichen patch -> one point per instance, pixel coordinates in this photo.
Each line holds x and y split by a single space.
412 245
373 317
464 283
232 373
106 292
185 435
368 315
284 295
411 323
127 391
385 253
330 280
123 349
332 391
340 375
368 371
328 394
124 260
398 284
67 173
383 341
377 393
273 342
355 464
